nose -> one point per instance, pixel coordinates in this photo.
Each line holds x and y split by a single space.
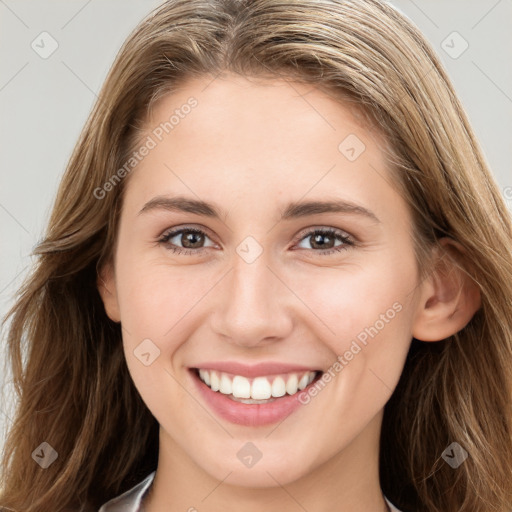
253 305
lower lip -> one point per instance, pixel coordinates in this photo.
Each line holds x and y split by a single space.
250 415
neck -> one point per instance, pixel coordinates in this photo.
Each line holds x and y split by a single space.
349 480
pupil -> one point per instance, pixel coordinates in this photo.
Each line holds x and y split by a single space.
191 239
318 240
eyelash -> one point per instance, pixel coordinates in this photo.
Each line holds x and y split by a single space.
332 233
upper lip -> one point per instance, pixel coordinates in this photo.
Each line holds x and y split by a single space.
254 370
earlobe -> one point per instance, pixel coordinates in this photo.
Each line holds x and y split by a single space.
449 296
106 285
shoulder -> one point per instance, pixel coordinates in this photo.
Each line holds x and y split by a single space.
130 500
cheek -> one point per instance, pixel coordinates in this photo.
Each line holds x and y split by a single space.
370 300
155 295
365 319
160 306
157 303
365 315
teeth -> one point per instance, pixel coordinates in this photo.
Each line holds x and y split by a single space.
214 381
292 384
205 376
278 387
241 387
260 389
226 387
251 401
304 381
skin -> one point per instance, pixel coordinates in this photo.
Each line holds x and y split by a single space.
251 147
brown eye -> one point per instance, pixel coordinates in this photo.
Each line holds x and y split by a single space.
183 239
326 241
322 241
191 240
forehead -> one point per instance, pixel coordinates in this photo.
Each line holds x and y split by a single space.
232 137
251 103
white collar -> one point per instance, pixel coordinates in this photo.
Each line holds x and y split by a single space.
130 500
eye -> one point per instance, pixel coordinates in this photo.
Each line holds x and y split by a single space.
326 240
192 240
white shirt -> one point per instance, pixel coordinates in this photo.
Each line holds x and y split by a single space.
131 499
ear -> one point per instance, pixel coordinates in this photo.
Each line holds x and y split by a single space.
449 296
106 285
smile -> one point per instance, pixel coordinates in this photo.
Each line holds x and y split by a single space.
257 390
256 399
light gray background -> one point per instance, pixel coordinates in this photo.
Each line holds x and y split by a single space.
44 102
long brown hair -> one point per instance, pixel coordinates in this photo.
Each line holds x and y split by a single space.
75 392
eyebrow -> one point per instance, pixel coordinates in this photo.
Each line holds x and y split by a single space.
293 210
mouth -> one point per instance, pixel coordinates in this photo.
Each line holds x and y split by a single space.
258 390
253 401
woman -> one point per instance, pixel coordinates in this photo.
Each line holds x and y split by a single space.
276 276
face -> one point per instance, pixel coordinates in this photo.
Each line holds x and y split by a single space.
301 260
